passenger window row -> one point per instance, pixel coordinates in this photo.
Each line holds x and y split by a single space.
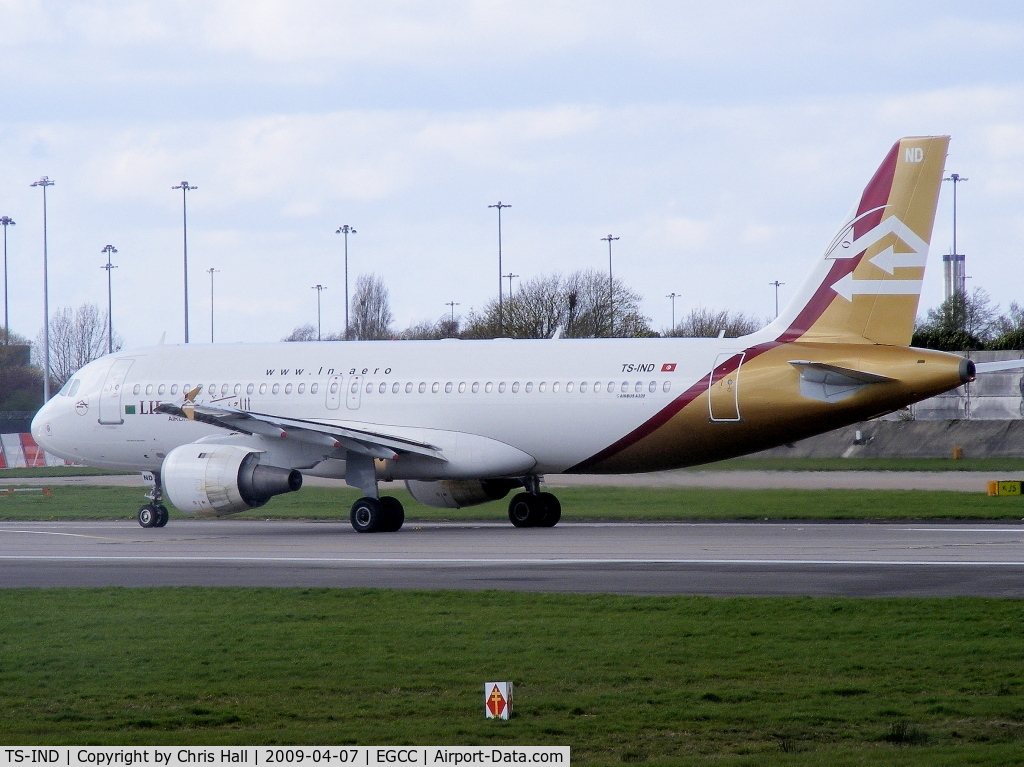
462 387
224 390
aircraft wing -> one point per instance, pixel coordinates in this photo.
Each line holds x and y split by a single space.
364 442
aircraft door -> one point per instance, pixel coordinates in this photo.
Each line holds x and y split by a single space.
724 388
110 394
334 393
355 387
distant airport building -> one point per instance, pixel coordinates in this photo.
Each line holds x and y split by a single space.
954 272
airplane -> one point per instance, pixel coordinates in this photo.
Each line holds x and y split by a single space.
222 429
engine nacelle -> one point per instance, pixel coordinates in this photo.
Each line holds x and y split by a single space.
216 480
457 493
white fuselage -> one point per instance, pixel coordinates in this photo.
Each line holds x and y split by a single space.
558 401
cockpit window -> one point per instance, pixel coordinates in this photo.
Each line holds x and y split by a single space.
65 388
74 387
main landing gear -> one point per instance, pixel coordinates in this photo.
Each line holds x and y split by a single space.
154 513
534 510
377 515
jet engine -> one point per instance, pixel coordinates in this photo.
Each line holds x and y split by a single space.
216 480
457 493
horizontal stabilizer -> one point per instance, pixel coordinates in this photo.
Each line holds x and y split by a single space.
856 375
831 383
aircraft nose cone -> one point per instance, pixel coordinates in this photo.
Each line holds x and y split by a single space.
42 425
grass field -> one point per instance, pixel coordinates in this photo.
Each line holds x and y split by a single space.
578 503
865 464
684 680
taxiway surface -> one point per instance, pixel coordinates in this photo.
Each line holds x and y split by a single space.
854 559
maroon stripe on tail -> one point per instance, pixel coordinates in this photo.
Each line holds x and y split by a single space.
875 195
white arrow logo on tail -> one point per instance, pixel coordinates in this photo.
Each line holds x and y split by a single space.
848 287
888 259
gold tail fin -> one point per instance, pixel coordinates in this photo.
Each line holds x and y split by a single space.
867 286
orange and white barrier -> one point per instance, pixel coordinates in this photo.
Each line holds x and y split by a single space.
20 451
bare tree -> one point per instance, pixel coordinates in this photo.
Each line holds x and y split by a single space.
302 333
432 330
577 303
76 339
1009 329
371 309
710 323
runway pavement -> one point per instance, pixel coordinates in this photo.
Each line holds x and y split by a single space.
854 559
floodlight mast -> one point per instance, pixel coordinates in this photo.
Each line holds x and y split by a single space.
6 221
453 304
319 289
184 187
345 230
673 296
211 271
109 250
955 263
777 285
501 320
611 289
45 182
509 277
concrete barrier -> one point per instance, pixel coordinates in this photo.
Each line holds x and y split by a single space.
912 439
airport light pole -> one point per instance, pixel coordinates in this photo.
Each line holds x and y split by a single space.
509 277
501 319
673 295
184 187
6 221
956 178
345 230
45 182
956 268
611 289
453 304
777 284
211 271
319 289
109 250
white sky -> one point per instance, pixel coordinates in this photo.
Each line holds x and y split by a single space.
721 142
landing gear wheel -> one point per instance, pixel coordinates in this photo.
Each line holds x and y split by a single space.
394 514
525 510
368 516
162 516
552 510
148 516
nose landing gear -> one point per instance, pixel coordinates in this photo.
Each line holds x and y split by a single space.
154 513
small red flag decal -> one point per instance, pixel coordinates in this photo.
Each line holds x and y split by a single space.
668 367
